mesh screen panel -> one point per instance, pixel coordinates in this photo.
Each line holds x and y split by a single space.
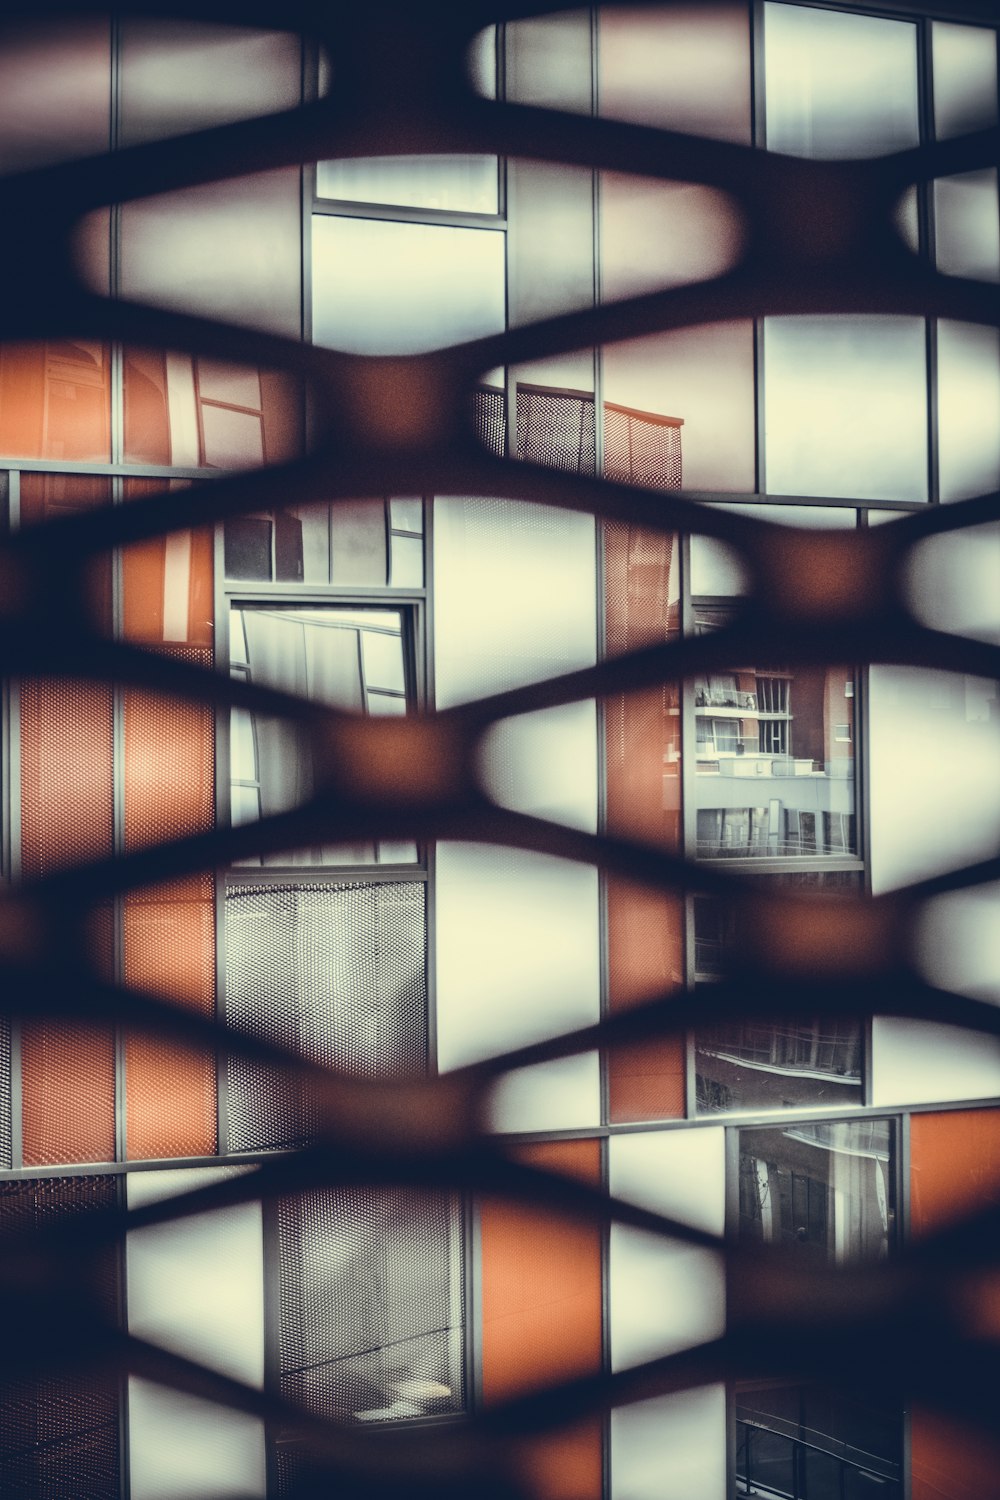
5 1102
371 1303
556 428
59 1433
66 774
642 448
337 972
170 1091
169 762
68 1092
489 413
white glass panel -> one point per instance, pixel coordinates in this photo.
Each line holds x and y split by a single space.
958 941
915 1062
407 562
953 582
845 407
463 183
517 961
664 1295
542 764
407 514
967 225
671 1448
481 62
196 1287
386 288
965 78
935 793
383 659
968 409
837 84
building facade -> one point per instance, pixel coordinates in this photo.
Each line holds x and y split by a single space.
839 1139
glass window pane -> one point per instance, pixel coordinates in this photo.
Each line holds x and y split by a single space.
383 660
686 68
967 225
407 562
845 406
661 234
837 84
968 409
55 400
466 184
385 288
407 514
55 90
548 61
357 534
965 78
178 76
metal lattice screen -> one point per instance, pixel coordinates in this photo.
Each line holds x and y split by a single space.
404 91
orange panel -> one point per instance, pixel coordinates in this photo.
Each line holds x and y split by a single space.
170 1089
954 1169
68 1093
55 400
645 928
541 1301
169 932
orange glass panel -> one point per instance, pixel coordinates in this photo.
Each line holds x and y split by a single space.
541 1302
955 1170
55 400
68 1093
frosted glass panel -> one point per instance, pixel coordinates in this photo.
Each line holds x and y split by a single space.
666 1296
965 78
916 1062
953 581
386 288
845 407
196 1287
671 1448
967 225
660 234
968 409
838 85
517 960
682 68
543 764
935 793
462 183
958 941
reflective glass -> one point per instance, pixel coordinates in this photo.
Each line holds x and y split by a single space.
968 396
838 84
55 399
816 1443
387 288
194 412
826 1188
965 78
466 184
349 659
548 61
683 68
834 388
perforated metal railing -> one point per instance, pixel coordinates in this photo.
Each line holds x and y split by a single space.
820 238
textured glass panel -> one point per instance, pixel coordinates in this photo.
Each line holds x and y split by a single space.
953 581
965 78
825 1188
358 542
671 1447
407 569
551 243
845 406
178 76
371 1303
702 379
407 514
683 68
838 84
968 409
55 399
548 61
385 288
55 89
466 184
967 225
334 972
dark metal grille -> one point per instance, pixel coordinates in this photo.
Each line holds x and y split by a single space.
335 973
556 428
371 1298
59 1433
